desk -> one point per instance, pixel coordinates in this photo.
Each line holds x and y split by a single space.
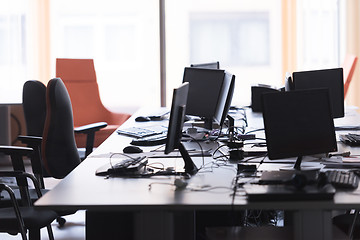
161 208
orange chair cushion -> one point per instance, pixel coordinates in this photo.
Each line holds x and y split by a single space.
79 77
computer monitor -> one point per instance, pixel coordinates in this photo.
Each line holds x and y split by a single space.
332 79
176 122
205 91
289 84
298 123
226 97
211 65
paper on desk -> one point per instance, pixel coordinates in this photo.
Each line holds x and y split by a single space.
338 162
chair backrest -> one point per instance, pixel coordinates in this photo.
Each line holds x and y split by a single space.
34 105
59 150
348 68
79 77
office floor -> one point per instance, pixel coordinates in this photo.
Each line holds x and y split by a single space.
74 228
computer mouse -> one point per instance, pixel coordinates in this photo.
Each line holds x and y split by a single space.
132 149
142 119
180 184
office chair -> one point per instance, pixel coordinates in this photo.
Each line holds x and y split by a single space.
19 219
34 105
58 148
79 77
349 65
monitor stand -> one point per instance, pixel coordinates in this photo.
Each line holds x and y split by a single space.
189 166
302 166
208 123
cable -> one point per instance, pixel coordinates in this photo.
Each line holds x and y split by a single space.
217 149
261 162
201 149
123 154
160 168
255 130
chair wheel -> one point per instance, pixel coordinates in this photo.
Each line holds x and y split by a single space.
61 221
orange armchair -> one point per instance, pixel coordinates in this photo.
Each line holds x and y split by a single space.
80 80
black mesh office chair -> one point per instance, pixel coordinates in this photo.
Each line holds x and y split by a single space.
23 218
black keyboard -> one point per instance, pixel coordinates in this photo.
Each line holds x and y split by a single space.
139 132
350 139
343 179
124 167
158 139
128 165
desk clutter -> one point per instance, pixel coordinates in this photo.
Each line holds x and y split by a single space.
237 144
299 185
350 139
210 156
125 167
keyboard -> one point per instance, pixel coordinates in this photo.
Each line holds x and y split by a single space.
154 140
125 166
139 132
342 179
350 139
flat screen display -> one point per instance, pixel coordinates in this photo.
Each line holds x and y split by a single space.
176 120
298 123
205 86
332 79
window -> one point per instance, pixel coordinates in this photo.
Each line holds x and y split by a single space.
244 36
238 39
122 37
318 34
14 48
123 41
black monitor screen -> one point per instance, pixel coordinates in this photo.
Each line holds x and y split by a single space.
176 122
225 98
205 86
298 123
332 79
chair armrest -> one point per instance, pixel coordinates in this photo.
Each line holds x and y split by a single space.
4 187
15 150
30 140
90 130
22 174
90 127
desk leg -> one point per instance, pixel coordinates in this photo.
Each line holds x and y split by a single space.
109 225
312 224
164 225
150 225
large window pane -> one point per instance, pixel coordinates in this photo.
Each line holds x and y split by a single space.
123 39
237 39
244 36
318 34
14 51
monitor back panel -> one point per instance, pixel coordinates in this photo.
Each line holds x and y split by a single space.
204 91
298 123
332 79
